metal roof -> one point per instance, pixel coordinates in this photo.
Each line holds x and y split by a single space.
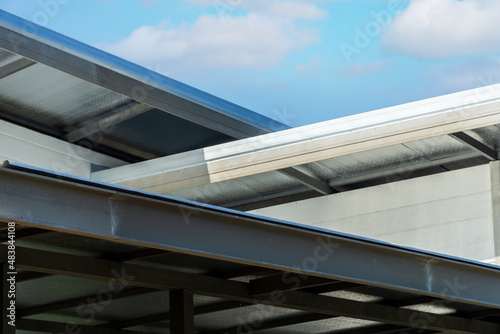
106 259
180 141
94 257
416 139
70 90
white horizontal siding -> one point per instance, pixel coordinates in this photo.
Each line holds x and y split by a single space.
18 144
447 213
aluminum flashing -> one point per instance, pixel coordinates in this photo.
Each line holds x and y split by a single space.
103 216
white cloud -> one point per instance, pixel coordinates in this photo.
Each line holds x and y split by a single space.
253 41
444 28
295 10
290 9
309 67
473 73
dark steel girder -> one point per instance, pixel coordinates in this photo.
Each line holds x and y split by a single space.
309 181
109 212
155 278
78 301
273 323
476 145
104 123
181 311
210 308
40 326
15 66
284 282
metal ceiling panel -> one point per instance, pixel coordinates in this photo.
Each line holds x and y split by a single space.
55 98
488 135
244 318
233 191
160 134
56 288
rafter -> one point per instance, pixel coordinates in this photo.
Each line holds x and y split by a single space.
155 278
476 145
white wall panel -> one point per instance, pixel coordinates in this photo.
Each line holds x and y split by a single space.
447 213
18 144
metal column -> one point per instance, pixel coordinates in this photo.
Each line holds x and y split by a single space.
181 312
495 206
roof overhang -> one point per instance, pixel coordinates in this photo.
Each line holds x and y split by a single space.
457 129
70 90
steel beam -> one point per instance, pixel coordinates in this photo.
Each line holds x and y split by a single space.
309 181
52 202
285 282
26 233
335 286
15 66
181 311
155 278
245 271
128 274
245 202
476 145
40 326
273 323
131 80
138 254
383 329
78 301
29 276
406 168
210 308
113 118
495 206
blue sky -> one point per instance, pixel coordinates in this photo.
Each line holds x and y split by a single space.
296 61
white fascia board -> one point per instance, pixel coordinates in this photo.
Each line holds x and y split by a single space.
32 148
362 132
175 172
